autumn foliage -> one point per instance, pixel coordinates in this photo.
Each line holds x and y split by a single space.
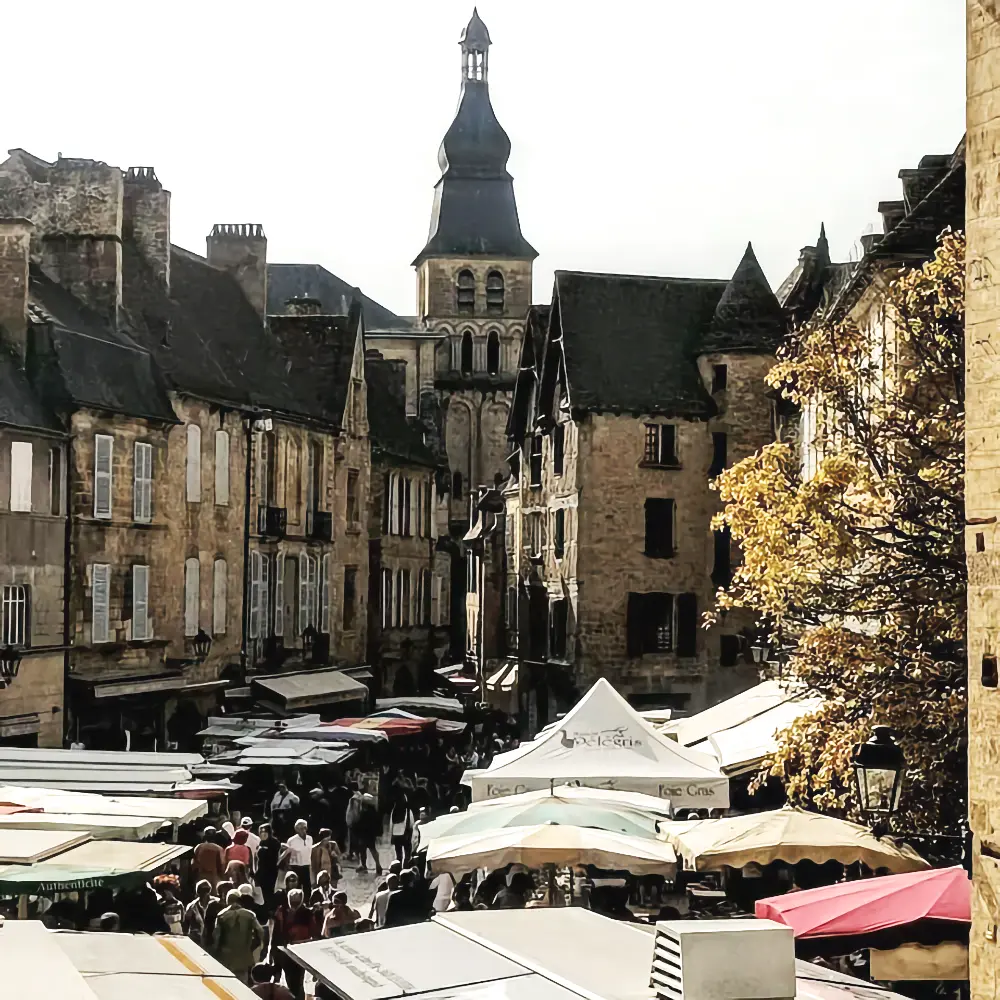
860 566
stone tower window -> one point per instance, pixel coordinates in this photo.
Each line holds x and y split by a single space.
493 353
465 291
456 486
466 355
494 293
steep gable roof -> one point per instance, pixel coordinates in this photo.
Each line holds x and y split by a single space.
630 342
20 405
393 434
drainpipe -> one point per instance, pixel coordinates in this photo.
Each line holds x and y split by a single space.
244 641
68 577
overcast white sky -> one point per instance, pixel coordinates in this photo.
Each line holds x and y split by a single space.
650 136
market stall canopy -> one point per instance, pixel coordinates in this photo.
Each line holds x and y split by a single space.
549 808
581 793
389 725
263 752
438 707
550 844
101 966
25 847
873 904
54 800
442 725
789 835
99 827
604 743
92 865
290 692
328 732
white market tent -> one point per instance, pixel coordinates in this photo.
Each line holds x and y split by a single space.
99 827
56 801
604 743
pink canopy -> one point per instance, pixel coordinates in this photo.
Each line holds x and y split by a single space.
873 904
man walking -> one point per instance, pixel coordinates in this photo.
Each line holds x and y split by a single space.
298 854
237 937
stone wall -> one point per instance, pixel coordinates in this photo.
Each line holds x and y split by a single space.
982 488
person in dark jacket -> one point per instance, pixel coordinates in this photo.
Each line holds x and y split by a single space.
268 851
367 828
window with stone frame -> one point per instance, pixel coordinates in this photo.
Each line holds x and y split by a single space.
100 602
494 293
193 463
558 449
350 597
660 523
353 507
558 622
15 626
465 292
137 602
722 568
661 445
493 353
21 469
649 623
142 482
465 354
192 596
720 453
720 378
535 461
559 532
386 592
103 452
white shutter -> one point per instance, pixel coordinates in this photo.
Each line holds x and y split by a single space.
313 564
419 599
303 592
420 508
103 445
220 596
192 596
279 594
434 509
264 594
254 570
100 585
193 463
222 468
142 482
386 598
140 602
324 607
20 475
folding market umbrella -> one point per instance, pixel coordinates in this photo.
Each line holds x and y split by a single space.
873 904
551 844
536 811
636 801
789 835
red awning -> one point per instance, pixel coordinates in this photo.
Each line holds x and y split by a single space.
873 904
389 726
10 808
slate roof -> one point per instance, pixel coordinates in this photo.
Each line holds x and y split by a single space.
393 434
293 281
748 316
536 330
20 404
82 360
630 343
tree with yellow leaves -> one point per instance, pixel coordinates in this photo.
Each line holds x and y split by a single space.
860 566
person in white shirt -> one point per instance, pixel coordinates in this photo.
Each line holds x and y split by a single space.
253 841
282 805
298 853
380 903
443 886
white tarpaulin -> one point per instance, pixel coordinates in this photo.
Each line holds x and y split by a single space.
604 743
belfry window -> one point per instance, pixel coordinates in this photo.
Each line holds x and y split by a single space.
494 292
465 291
493 353
466 355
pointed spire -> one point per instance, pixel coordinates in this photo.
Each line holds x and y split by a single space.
475 37
822 246
748 316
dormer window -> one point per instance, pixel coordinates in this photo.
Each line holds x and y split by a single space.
465 292
494 293
493 353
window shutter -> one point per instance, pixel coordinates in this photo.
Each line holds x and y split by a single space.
634 624
407 505
100 585
142 485
303 592
427 585
220 596
279 594
407 605
265 596
436 600
192 596
20 475
433 532
324 608
222 468
140 602
103 445
397 604
687 625
193 463
386 503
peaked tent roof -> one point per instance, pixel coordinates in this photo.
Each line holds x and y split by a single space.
604 743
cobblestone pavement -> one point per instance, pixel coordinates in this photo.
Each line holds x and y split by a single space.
360 886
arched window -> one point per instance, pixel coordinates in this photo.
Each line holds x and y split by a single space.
456 486
192 596
466 359
465 291
494 292
493 353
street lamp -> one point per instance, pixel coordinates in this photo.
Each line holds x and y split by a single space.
878 771
761 652
10 661
202 644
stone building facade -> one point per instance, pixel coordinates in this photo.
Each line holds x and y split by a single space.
982 486
160 367
620 425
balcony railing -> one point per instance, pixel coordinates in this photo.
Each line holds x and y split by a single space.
319 525
272 522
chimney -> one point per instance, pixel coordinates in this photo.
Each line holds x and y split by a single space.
15 246
241 249
146 219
